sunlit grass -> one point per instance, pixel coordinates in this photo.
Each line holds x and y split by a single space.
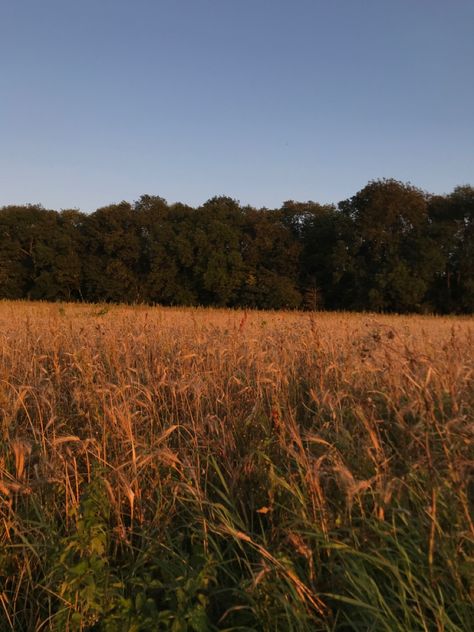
197 469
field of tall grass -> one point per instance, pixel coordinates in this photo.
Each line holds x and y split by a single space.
195 469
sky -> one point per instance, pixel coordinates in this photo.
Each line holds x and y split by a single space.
261 100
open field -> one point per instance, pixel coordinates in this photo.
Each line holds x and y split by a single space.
194 469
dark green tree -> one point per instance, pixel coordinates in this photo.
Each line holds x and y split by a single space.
39 256
327 258
167 251
395 261
270 252
218 267
452 224
391 247
112 263
16 250
462 200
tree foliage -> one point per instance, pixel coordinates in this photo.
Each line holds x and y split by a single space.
390 247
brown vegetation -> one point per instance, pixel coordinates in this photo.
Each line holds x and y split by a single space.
194 469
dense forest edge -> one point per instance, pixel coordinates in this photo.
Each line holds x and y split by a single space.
390 248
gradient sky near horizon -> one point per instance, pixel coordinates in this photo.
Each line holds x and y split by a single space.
261 100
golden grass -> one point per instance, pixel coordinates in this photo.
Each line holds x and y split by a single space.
291 449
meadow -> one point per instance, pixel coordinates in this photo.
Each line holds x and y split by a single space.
198 469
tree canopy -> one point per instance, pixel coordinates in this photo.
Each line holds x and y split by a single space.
391 247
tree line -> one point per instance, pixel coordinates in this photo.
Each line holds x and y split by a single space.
391 247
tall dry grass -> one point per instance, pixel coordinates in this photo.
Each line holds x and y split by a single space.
194 469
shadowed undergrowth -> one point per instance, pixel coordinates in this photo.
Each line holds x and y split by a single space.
218 470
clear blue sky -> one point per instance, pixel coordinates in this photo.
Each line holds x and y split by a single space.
262 100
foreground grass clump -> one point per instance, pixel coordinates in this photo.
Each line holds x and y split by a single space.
215 470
